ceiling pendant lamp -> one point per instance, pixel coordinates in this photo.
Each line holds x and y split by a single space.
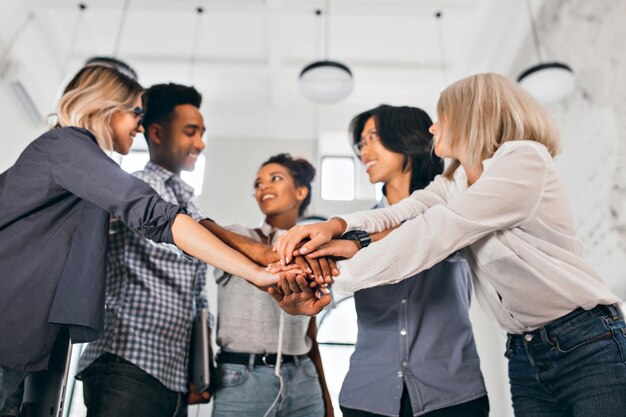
325 81
548 82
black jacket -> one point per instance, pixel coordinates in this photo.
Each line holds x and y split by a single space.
54 214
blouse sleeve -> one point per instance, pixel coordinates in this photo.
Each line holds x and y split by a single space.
78 165
373 221
505 196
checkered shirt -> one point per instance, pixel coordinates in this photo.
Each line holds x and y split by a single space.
153 293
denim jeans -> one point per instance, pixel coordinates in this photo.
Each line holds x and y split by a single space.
248 391
574 366
114 387
11 390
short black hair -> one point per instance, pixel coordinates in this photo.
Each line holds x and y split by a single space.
160 100
404 130
300 170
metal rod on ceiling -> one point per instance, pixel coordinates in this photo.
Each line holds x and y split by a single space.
327 31
194 43
79 20
120 30
442 52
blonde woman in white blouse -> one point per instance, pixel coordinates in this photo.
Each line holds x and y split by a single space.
504 203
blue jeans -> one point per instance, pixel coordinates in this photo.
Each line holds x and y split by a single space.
114 387
574 366
244 390
11 390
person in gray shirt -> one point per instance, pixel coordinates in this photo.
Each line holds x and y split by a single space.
248 320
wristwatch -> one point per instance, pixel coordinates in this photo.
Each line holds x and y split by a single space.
361 236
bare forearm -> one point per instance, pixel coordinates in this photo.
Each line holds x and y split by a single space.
198 242
338 226
256 251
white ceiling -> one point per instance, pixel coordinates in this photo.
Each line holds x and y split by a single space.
249 52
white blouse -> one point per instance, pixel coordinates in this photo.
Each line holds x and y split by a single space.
517 229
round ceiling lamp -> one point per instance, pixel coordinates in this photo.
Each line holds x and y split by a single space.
325 81
548 82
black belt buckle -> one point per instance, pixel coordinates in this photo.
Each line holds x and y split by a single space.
265 358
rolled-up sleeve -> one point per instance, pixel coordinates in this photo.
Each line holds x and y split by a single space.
78 165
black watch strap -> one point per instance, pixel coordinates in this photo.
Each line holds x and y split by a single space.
361 235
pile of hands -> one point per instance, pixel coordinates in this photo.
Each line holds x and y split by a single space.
308 265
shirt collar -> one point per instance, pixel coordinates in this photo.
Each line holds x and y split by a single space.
268 231
166 176
158 171
85 131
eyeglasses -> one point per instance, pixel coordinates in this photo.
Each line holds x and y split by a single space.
366 140
138 111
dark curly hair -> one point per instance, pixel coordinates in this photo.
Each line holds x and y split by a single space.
160 99
300 170
404 130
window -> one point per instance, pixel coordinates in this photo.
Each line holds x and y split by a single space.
336 335
338 182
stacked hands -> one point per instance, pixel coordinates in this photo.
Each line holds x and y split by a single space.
308 264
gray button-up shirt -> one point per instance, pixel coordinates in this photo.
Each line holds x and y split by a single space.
415 333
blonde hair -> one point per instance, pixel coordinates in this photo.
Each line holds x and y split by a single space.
92 97
483 111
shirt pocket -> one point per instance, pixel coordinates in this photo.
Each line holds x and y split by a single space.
585 333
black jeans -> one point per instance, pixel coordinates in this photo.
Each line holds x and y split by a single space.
114 387
475 408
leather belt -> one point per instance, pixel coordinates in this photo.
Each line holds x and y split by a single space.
260 359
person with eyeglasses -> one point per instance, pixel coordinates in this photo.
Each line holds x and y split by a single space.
503 203
415 350
55 203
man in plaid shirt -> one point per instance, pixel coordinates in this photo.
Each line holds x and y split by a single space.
153 291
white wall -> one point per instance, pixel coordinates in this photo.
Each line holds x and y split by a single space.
589 36
30 61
